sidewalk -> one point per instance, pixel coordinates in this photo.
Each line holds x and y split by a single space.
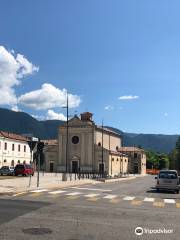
49 180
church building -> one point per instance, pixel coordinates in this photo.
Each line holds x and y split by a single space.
85 147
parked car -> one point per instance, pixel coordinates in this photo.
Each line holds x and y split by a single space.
6 170
168 180
24 170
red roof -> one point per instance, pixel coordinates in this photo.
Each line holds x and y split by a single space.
130 149
12 136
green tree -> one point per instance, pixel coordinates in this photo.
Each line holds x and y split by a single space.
157 160
177 157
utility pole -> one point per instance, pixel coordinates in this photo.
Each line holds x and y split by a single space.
102 149
67 133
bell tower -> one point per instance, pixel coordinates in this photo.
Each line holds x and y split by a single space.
86 116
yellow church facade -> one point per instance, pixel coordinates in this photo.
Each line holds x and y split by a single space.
90 148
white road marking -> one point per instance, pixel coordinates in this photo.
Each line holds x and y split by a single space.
39 190
57 192
110 196
93 189
147 199
92 195
73 194
128 198
169 201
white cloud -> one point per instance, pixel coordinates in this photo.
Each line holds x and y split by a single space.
38 117
25 67
12 70
15 108
109 107
128 97
48 96
51 115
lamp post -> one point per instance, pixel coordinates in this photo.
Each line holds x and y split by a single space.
67 134
102 150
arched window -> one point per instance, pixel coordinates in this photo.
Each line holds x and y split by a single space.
99 144
12 163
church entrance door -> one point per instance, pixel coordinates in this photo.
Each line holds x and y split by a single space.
136 170
51 167
74 166
101 168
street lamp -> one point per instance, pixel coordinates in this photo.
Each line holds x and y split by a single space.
67 130
102 150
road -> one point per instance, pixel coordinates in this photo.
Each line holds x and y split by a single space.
100 211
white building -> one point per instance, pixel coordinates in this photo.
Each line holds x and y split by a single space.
14 149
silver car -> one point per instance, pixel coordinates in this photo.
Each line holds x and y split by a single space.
6 170
168 180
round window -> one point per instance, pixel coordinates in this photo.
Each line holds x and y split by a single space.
75 139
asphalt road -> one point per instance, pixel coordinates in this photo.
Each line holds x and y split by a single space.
101 211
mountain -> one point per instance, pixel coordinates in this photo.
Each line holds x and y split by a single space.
155 142
23 123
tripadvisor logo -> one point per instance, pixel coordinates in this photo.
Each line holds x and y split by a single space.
139 231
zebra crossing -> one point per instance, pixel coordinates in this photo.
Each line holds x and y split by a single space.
106 196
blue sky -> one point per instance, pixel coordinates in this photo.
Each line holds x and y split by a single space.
98 50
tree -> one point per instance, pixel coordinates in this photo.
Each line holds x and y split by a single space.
157 160
177 158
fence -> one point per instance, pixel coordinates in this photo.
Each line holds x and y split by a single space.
73 176
152 171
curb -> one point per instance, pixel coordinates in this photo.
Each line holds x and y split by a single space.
66 184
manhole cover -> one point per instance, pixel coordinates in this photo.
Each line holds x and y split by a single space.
37 231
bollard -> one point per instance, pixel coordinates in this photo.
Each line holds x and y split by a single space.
29 180
64 177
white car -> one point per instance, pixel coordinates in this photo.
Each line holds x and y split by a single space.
168 180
